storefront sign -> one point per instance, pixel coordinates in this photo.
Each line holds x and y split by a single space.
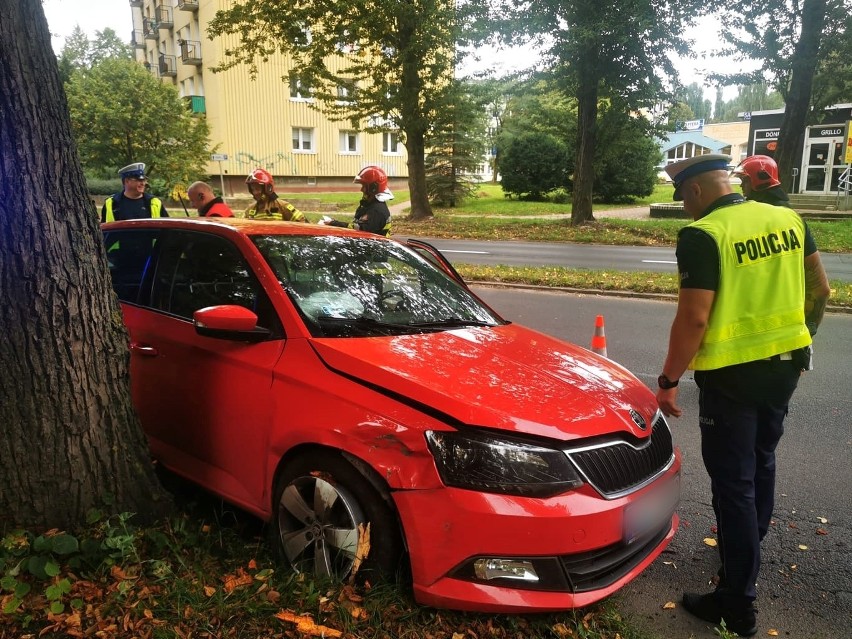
767 134
830 131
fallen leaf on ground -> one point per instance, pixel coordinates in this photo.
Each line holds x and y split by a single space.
209 591
772 632
802 547
822 520
709 541
821 531
306 625
561 630
240 578
669 605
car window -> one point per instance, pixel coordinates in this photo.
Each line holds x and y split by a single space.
345 286
130 255
197 270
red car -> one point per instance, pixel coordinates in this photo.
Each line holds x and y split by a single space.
334 383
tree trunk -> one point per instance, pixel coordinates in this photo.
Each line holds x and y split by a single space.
421 209
587 116
804 66
70 440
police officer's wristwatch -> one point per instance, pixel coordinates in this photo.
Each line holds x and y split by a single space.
665 383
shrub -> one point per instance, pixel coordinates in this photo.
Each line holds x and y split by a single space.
533 164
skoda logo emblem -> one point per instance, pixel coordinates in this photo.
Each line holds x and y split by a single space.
638 419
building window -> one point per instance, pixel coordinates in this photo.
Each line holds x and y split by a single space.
345 93
350 142
303 140
390 143
299 90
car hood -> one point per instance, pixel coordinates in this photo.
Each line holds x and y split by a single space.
506 377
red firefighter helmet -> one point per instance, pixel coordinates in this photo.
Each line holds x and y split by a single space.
760 170
374 178
259 176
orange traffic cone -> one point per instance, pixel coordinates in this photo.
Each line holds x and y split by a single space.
599 338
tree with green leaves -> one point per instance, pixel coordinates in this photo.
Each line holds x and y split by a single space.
692 96
750 97
80 53
456 147
618 50
120 113
70 442
788 38
534 164
678 113
627 156
395 60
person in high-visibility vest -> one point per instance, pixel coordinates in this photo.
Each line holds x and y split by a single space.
267 205
752 293
133 202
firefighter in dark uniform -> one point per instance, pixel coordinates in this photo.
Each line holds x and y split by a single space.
133 202
759 180
372 214
752 293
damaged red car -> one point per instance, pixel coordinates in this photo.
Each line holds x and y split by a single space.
338 384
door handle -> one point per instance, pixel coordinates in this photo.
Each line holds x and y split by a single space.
142 349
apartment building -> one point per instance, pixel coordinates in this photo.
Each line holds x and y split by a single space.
265 122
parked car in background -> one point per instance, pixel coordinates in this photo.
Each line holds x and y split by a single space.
335 383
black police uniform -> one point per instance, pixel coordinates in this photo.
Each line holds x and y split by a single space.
741 416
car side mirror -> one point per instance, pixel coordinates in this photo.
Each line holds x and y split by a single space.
230 322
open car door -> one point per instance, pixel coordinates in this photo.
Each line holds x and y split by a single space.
436 257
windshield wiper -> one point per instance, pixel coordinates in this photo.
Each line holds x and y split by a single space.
368 325
451 322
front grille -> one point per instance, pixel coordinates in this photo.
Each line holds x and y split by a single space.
617 468
600 568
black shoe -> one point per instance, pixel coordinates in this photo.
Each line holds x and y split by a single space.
741 620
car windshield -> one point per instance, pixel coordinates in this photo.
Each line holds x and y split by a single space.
348 286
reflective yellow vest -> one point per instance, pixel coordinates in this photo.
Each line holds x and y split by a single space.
759 308
156 207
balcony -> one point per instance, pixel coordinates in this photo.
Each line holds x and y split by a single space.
137 40
187 5
152 69
167 66
149 29
164 17
190 52
195 103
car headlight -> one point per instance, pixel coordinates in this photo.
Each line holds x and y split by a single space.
479 461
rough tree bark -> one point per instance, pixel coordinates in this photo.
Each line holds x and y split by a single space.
587 116
69 440
421 209
805 60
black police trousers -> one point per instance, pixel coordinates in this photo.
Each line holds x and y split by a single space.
741 414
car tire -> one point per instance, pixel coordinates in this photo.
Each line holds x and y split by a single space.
319 501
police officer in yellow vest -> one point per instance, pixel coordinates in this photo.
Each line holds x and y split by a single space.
133 202
752 293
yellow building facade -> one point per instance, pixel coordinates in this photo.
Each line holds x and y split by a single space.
264 121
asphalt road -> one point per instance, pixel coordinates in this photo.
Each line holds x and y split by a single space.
805 586
589 256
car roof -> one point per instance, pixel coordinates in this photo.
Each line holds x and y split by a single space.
238 225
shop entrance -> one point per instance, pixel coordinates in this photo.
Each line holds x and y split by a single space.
822 160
